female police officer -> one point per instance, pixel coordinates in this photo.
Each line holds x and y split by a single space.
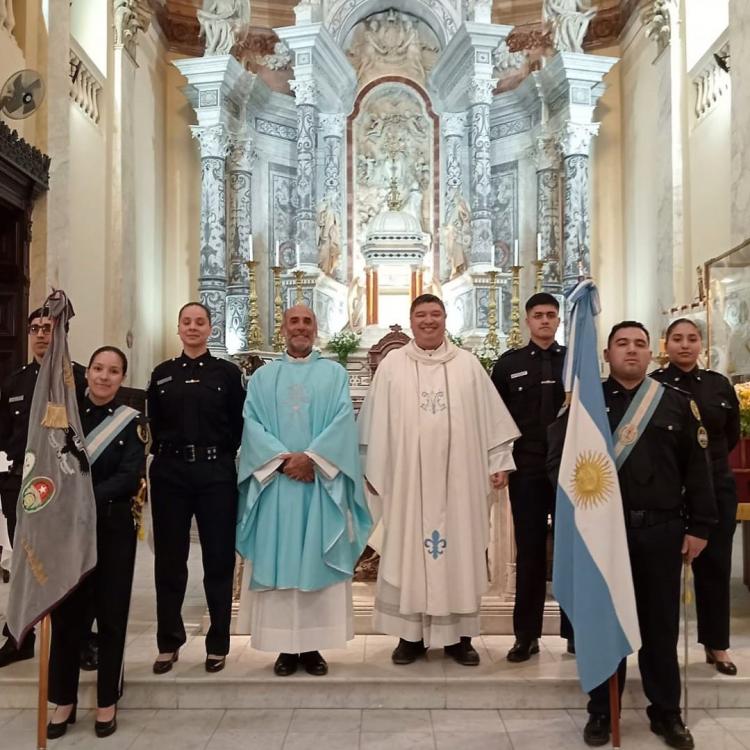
719 410
115 437
195 408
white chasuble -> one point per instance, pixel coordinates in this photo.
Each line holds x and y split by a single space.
433 429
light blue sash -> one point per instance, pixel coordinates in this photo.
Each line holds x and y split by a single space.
636 418
107 430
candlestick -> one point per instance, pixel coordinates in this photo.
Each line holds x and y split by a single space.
539 274
515 341
299 298
254 332
278 308
491 339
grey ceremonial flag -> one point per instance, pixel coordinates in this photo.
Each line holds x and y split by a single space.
55 541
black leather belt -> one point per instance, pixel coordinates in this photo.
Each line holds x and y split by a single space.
189 453
639 519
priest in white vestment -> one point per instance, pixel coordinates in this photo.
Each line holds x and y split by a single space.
303 520
437 439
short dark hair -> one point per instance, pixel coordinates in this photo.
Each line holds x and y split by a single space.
43 312
116 351
677 322
541 298
194 304
423 299
627 324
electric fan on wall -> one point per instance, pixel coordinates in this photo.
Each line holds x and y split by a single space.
22 94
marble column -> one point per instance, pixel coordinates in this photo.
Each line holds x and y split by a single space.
480 97
332 134
739 44
306 96
575 143
548 210
212 274
240 206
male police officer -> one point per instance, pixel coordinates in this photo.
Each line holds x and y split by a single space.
669 508
530 382
16 393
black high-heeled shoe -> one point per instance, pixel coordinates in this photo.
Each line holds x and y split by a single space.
725 667
105 728
56 730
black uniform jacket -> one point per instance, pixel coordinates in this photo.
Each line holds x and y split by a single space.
16 393
517 375
196 402
116 474
667 469
717 401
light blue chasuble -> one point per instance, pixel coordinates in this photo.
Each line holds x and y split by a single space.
301 535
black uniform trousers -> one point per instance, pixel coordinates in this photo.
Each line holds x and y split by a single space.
656 562
179 491
712 569
109 586
10 487
532 500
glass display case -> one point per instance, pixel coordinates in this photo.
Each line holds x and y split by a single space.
728 287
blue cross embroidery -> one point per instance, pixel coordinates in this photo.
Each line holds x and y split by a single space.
437 544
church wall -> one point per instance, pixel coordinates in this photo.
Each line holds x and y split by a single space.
182 211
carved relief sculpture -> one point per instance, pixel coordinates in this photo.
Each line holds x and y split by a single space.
223 23
570 20
281 59
457 236
506 61
356 305
329 237
656 18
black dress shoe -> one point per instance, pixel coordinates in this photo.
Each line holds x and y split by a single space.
523 650
54 731
408 651
313 663
285 664
10 654
725 667
162 666
596 731
463 652
674 732
105 728
90 657
215 665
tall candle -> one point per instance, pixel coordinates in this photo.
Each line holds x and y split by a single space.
538 245
298 256
494 255
516 254
250 247
277 261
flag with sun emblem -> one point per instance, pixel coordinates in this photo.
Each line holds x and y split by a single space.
55 539
592 579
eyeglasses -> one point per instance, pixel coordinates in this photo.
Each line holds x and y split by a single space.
35 329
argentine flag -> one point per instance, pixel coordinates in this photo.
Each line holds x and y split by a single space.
591 578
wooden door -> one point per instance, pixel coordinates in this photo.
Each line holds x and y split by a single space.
14 287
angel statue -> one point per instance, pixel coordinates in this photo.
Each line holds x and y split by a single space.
356 305
222 23
457 237
570 20
329 242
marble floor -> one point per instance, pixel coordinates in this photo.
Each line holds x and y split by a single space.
366 702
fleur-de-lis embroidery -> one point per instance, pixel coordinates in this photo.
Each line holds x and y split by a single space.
433 401
435 544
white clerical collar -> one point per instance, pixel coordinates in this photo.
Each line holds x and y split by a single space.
298 360
442 349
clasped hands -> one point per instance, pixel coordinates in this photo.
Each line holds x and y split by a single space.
298 466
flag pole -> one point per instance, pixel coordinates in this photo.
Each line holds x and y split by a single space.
614 710
41 726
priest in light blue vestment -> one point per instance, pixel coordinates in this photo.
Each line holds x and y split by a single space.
303 520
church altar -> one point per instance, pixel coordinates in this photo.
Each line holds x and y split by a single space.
388 148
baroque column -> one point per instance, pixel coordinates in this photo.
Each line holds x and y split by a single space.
480 98
212 274
306 96
575 143
240 203
332 133
548 209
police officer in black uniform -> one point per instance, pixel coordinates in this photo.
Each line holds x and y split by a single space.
16 393
116 471
669 506
195 407
720 412
529 381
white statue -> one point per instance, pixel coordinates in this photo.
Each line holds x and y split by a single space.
457 237
356 305
329 238
506 61
222 23
280 59
413 204
570 20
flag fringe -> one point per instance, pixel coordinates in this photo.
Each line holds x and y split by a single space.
55 416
